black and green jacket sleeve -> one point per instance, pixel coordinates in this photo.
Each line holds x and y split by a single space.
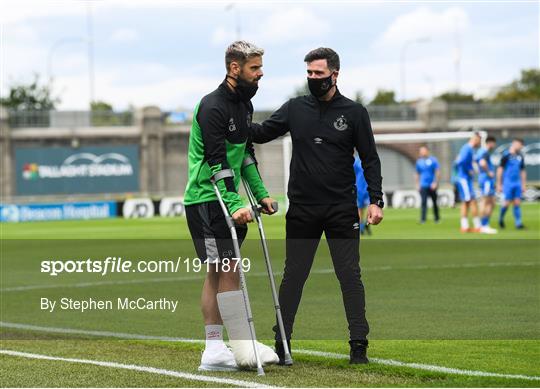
213 128
208 154
219 140
251 173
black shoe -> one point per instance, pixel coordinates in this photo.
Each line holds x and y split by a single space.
501 224
368 230
280 351
358 352
520 227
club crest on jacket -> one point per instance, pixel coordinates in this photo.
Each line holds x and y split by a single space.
341 123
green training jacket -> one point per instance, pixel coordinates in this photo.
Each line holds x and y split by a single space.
219 139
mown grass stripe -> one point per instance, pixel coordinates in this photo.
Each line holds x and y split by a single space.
387 362
146 369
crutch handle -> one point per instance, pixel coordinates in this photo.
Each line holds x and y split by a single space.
274 207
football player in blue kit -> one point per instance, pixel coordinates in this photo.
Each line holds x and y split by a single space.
427 178
362 195
486 183
511 180
464 181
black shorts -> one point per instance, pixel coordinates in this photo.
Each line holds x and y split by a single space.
210 233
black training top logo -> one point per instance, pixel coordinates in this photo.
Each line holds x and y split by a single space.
341 123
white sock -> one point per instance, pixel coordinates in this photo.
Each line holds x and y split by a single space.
476 222
464 223
214 335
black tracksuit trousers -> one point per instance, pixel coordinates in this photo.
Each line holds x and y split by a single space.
305 225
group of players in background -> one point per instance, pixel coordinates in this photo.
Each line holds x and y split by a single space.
509 179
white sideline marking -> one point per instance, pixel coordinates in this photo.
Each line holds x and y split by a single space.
387 362
99 283
146 369
264 274
107 334
422 366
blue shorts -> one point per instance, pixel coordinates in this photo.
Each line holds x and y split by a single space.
362 200
465 188
487 187
512 191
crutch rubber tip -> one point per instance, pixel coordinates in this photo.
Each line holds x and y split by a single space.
288 360
260 371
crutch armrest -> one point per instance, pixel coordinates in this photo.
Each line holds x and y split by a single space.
248 160
220 175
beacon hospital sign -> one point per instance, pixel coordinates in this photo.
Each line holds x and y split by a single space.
63 170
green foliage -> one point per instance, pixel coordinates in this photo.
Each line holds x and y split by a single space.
100 106
301 90
30 97
359 97
526 88
457 97
384 97
104 115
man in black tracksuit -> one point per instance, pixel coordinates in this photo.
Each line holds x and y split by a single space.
325 127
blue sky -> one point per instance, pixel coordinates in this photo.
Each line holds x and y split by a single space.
170 53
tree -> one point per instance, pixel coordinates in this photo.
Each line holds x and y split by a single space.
100 106
457 97
103 115
359 97
31 97
384 97
525 88
301 90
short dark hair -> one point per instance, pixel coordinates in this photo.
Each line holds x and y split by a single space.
491 138
520 140
331 57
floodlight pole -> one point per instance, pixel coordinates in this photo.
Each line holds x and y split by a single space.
232 6
90 41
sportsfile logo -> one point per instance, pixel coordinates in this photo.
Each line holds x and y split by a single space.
82 165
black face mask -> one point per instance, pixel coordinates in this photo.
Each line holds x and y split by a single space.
245 89
320 86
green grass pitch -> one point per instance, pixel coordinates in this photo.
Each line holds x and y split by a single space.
436 300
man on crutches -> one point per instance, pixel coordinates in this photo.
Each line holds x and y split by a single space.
216 216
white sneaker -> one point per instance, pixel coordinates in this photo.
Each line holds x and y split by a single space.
218 358
488 230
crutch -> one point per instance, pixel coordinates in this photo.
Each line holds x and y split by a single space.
243 287
256 211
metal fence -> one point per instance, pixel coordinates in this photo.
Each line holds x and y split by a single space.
21 119
398 112
494 110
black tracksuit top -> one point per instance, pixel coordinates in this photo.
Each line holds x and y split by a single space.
324 135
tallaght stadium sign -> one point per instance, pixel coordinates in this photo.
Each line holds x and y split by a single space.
81 165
